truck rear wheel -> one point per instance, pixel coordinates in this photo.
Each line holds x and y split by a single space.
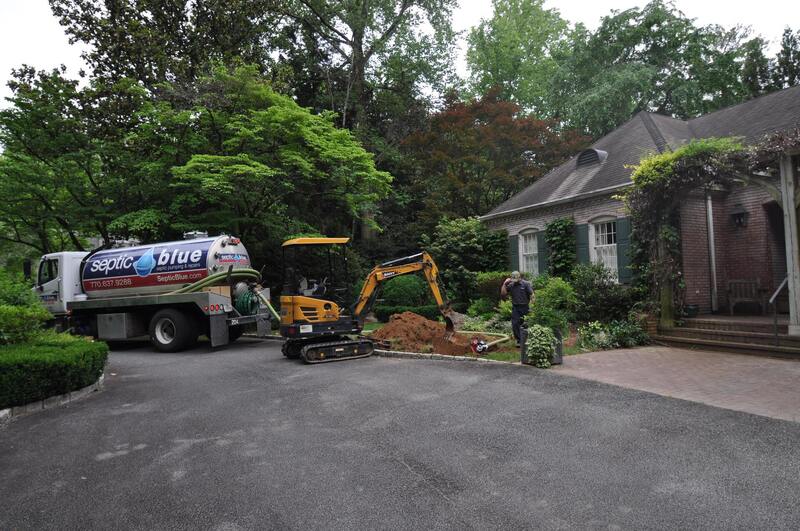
172 330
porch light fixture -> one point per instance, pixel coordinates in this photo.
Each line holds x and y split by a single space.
739 215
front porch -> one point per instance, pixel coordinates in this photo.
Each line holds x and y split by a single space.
741 266
766 335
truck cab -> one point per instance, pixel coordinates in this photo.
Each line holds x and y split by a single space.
58 280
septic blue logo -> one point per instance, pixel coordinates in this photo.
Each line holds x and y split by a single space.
145 264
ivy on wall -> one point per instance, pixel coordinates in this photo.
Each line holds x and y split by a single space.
559 235
663 181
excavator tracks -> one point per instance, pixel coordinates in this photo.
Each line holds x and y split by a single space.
321 352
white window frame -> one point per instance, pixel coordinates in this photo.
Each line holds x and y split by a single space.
604 253
529 257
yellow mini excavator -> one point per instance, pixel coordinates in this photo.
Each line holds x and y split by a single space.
317 320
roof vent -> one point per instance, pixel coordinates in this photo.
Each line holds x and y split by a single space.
591 156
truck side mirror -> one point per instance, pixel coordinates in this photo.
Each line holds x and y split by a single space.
26 268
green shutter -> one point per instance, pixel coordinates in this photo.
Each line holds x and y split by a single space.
513 252
582 240
543 251
624 250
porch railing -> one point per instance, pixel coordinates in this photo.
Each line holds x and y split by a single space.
773 301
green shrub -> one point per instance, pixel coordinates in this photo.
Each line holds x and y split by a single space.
540 346
627 333
52 364
595 336
505 309
493 324
20 323
481 307
539 282
600 297
559 295
15 292
616 334
461 248
546 316
382 313
409 290
488 283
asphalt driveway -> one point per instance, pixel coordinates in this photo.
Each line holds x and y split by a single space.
243 438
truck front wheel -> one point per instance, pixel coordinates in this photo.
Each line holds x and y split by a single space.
172 330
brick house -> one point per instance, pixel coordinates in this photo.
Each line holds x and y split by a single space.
727 235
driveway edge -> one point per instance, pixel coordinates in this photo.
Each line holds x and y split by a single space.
9 414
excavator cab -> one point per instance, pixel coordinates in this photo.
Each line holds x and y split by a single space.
316 289
317 320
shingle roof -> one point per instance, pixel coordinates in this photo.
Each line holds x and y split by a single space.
648 133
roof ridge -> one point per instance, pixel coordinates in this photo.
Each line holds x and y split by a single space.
747 102
655 132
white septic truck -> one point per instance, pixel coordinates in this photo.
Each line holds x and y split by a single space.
172 292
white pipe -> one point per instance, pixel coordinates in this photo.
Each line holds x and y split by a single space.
712 252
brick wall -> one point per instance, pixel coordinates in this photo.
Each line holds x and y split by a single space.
742 253
694 250
582 211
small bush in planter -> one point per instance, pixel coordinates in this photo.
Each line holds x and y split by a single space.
540 346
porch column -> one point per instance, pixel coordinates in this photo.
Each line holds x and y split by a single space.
788 187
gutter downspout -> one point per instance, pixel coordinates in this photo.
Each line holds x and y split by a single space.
712 252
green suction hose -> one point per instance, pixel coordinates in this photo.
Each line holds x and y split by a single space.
245 304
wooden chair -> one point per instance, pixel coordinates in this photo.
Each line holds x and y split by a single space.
746 291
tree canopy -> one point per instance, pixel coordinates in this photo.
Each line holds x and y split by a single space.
233 157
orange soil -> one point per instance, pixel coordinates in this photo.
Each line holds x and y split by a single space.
413 333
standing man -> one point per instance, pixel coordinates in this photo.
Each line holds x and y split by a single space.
521 292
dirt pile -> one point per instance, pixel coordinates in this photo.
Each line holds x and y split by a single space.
413 333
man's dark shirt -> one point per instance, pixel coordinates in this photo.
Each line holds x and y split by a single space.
520 291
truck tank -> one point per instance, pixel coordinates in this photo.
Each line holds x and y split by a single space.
159 267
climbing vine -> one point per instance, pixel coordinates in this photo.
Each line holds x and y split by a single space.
663 181
560 237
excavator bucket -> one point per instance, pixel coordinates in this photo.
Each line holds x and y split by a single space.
449 328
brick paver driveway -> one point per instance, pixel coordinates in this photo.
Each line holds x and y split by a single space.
754 384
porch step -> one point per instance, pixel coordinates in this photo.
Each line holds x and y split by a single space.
791 352
761 326
731 336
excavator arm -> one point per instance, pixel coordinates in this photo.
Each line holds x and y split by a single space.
403 266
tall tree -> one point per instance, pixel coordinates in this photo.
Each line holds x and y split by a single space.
231 156
153 41
476 154
787 62
515 50
363 37
755 68
654 59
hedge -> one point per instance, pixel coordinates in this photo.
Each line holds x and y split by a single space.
406 291
52 364
382 313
